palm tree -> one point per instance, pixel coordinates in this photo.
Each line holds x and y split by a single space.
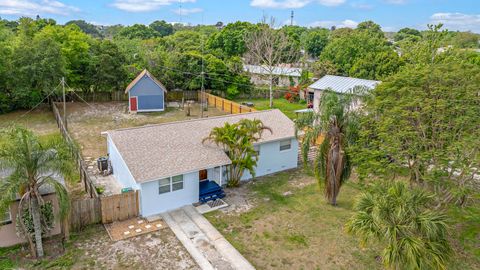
33 162
237 141
337 122
404 220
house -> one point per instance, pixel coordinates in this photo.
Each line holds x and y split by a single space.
8 230
282 76
337 84
146 94
167 163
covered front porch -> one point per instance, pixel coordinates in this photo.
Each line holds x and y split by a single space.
211 182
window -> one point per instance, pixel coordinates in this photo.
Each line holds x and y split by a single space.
257 149
170 184
177 182
285 145
5 218
164 185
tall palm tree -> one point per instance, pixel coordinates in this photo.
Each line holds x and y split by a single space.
31 163
403 219
237 141
337 122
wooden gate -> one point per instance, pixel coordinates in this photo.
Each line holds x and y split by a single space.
120 207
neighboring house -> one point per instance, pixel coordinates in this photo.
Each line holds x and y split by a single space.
282 76
167 162
8 231
339 85
146 94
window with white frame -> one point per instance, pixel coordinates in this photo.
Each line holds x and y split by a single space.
177 182
170 184
285 145
6 217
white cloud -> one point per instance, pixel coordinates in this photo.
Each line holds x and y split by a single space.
187 11
284 4
144 5
338 24
361 5
457 21
35 7
331 3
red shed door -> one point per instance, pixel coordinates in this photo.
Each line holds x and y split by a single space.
133 104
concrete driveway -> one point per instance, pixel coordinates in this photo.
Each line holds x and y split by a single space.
204 243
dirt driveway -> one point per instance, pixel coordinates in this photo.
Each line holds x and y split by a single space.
87 122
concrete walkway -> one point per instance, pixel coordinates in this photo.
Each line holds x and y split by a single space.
206 245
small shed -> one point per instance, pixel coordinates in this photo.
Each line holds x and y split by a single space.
146 94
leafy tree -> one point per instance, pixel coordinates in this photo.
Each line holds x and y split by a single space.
34 163
237 140
407 33
339 126
315 41
352 51
162 27
106 71
139 31
324 67
86 27
231 39
414 234
370 27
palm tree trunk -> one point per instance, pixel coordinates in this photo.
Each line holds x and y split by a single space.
37 226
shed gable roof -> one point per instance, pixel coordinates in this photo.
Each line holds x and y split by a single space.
145 72
153 152
341 84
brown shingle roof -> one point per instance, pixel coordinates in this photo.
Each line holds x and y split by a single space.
143 73
157 151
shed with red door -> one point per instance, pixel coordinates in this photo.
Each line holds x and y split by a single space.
146 94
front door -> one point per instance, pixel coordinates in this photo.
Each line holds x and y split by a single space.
202 175
133 104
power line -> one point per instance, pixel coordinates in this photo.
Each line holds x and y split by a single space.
38 104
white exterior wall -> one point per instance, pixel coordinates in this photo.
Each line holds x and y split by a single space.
120 169
317 96
153 203
272 160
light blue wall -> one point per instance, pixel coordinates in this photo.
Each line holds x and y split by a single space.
153 203
150 95
272 160
120 169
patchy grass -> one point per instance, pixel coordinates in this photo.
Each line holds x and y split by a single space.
93 249
279 103
301 231
40 120
296 231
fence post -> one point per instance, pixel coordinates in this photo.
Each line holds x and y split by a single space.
231 107
240 109
223 104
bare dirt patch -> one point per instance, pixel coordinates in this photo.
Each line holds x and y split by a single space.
87 122
40 120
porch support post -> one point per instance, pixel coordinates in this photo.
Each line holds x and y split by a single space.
221 174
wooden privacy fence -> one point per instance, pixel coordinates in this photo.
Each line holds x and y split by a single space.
225 104
84 212
121 96
119 207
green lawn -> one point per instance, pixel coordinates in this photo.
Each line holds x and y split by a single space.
301 231
279 103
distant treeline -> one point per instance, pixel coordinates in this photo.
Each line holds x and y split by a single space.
36 53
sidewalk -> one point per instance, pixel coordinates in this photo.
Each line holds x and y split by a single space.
206 245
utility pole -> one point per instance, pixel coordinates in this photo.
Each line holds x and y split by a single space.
64 103
202 90
291 18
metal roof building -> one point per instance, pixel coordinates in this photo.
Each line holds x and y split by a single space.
341 84
277 71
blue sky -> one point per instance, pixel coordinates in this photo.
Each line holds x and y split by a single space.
390 14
